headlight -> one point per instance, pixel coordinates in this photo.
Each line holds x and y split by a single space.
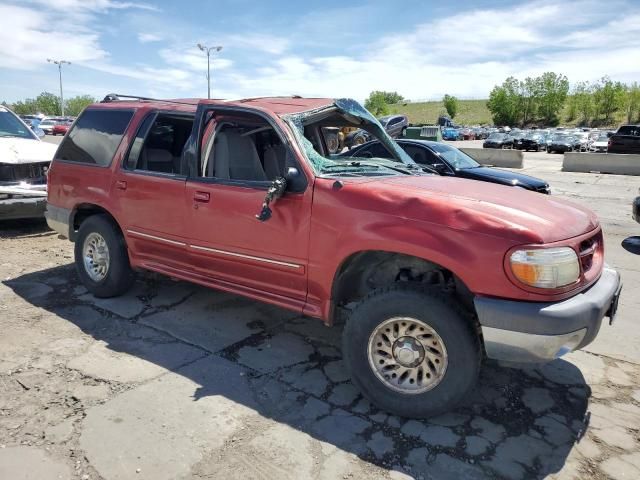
546 267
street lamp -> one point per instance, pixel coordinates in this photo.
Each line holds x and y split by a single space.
204 48
60 63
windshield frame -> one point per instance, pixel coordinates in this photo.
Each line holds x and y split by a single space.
350 109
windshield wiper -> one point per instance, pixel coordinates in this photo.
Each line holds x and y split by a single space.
351 164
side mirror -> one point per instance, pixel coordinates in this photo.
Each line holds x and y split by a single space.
296 181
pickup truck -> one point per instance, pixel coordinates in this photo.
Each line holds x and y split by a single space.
427 275
625 140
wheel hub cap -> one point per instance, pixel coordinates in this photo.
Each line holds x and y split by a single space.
95 253
407 355
408 352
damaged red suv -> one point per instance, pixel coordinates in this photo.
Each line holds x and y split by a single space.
430 274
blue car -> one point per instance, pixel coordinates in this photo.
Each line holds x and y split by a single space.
450 133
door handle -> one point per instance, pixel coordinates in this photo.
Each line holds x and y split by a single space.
121 185
202 197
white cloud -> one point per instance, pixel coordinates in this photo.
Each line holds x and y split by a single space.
191 58
466 54
29 38
148 37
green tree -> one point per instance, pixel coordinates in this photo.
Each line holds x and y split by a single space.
608 98
527 99
47 103
26 107
583 99
451 105
504 102
75 105
551 91
377 104
632 102
391 98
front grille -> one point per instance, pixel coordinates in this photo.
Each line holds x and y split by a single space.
25 171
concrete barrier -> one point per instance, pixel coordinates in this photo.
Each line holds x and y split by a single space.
617 163
495 157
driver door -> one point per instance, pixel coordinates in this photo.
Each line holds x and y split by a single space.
241 154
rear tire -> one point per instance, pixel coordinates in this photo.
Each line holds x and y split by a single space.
101 256
446 330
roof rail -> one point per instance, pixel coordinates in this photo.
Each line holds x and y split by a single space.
115 97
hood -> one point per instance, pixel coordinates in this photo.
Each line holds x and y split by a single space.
24 150
486 208
503 176
602 143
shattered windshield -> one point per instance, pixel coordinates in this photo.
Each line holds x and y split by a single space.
325 133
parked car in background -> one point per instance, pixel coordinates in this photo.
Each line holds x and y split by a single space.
395 125
600 143
516 136
467 134
481 133
450 133
498 140
47 126
24 162
532 141
451 161
625 140
61 128
582 141
560 143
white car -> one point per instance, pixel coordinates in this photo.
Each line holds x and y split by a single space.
47 126
600 144
24 162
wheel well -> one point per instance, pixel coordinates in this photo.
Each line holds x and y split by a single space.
366 271
84 211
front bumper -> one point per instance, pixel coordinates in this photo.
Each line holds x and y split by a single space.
636 209
22 207
523 332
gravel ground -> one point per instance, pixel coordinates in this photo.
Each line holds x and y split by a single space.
177 381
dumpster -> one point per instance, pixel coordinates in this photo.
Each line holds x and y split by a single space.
428 132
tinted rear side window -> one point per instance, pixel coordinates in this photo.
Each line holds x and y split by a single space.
629 130
95 136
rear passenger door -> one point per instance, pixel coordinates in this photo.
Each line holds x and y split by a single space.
241 153
149 188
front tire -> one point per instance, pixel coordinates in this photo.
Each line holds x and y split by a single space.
411 351
101 256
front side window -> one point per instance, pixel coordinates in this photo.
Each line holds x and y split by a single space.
242 147
95 136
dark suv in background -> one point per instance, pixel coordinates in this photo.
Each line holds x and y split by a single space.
625 140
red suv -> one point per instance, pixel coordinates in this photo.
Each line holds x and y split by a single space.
430 274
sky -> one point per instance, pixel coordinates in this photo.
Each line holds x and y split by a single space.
421 49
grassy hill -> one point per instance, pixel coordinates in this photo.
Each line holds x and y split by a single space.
471 112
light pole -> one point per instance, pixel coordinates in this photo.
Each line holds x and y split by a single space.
204 48
60 63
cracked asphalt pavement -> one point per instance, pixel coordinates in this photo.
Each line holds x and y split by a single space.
175 381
